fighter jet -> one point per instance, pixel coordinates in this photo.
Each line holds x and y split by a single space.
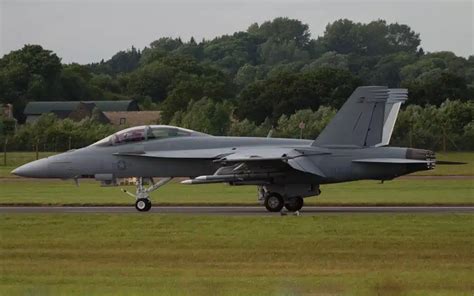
353 146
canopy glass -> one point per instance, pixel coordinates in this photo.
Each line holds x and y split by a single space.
146 133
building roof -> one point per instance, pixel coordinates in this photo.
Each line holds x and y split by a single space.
133 118
85 110
35 108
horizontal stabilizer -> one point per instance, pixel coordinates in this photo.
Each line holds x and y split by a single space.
393 161
446 162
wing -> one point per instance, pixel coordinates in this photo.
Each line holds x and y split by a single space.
259 164
243 164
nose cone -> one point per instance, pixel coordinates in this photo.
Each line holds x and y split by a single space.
34 169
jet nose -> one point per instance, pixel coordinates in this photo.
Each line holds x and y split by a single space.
34 169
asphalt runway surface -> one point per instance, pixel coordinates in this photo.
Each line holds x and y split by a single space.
237 210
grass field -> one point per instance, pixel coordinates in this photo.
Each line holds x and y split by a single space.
402 191
135 254
16 159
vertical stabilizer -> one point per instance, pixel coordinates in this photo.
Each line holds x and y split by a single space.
366 119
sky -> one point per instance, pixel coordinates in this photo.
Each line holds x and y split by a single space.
86 31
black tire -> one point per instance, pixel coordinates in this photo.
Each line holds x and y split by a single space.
295 204
143 205
274 202
148 205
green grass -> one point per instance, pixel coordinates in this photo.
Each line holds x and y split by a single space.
401 191
136 254
16 159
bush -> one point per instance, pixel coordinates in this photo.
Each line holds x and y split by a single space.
52 134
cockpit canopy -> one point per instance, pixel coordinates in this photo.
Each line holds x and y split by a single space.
146 133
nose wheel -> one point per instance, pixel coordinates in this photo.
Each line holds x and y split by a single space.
143 204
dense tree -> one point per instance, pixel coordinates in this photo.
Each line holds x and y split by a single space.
283 40
194 88
166 44
436 86
330 59
243 128
313 122
446 127
231 52
122 62
402 38
283 30
151 80
387 70
75 86
286 92
342 36
106 83
206 116
440 61
246 75
28 74
374 38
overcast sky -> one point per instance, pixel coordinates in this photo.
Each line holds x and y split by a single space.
87 31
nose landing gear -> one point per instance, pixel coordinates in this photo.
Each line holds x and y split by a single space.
142 196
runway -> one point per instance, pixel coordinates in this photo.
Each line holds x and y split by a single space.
236 210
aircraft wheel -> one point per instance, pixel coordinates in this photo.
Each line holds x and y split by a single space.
295 204
274 202
143 204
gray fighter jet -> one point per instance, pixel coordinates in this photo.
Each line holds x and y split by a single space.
353 146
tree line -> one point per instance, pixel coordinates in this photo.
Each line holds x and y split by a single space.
447 127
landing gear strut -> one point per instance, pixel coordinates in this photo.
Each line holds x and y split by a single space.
143 203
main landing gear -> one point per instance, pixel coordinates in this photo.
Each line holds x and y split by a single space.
143 203
275 197
274 202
